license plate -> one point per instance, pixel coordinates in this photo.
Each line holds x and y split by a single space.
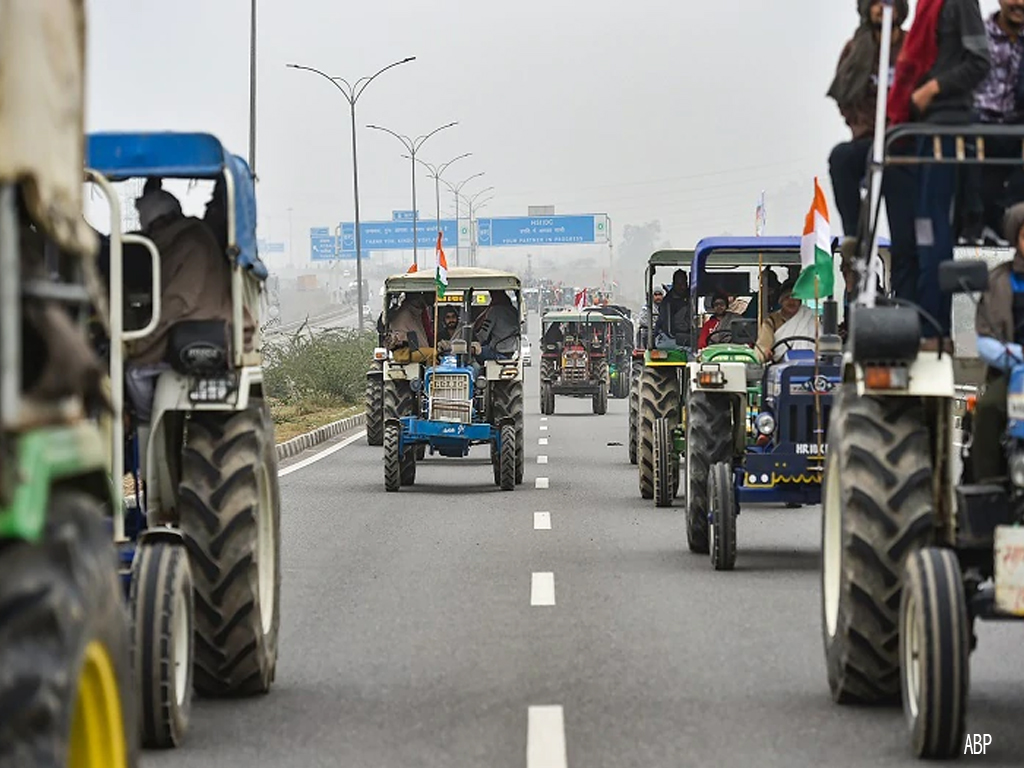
1009 575
211 390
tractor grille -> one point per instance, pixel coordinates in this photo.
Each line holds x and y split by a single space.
449 398
803 422
574 366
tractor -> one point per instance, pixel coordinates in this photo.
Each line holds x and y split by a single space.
909 558
574 357
660 386
754 430
496 389
620 349
65 646
205 616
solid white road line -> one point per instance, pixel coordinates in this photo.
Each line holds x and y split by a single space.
542 482
322 455
542 459
542 521
542 441
545 738
542 589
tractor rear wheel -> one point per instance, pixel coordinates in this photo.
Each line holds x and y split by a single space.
230 513
722 513
709 437
399 399
877 510
934 652
67 694
659 399
374 408
508 404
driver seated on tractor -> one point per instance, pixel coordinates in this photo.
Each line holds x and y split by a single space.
195 284
407 336
497 329
553 335
999 324
792 320
449 328
720 321
672 330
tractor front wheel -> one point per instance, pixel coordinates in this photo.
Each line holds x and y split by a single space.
708 441
666 463
507 473
722 516
392 461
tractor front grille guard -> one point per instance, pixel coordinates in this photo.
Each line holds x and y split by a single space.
449 398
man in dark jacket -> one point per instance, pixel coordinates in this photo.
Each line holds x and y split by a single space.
675 316
943 59
855 91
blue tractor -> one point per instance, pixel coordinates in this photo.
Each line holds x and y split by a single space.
755 420
451 396
199 537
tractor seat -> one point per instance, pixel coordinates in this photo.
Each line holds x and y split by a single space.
199 347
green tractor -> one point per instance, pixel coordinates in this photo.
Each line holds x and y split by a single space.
67 682
660 393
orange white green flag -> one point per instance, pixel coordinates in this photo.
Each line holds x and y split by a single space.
816 278
441 271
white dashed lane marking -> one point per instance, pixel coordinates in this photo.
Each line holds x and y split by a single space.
542 482
545 738
542 521
542 589
542 441
542 459
543 427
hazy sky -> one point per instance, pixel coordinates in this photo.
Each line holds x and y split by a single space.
644 110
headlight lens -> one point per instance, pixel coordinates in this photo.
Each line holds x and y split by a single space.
764 423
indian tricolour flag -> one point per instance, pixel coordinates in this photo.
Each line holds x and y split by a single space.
441 273
816 278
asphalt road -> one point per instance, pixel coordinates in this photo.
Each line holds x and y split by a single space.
445 626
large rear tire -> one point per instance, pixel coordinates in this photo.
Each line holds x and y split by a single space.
67 694
230 514
659 399
934 653
163 623
722 516
399 399
374 408
876 511
508 403
709 437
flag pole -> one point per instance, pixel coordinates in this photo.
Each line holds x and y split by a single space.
817 358
866 294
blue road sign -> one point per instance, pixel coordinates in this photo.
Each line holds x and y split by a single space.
543 230
395 235
322 247
403 216
320 231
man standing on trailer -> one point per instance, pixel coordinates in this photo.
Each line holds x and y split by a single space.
944 58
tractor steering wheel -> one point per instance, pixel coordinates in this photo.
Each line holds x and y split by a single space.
787 341
723 331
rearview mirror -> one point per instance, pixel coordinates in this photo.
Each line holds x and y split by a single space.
963 276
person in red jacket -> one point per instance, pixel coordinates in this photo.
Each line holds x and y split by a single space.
720 319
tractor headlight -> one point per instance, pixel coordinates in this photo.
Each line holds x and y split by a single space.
1017 469
764 423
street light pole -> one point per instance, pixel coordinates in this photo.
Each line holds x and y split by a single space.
473 208
456 190
352 94
252 90
413 145
435 172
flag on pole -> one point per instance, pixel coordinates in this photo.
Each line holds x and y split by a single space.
413 268
581 299
816 277
441 272
761 216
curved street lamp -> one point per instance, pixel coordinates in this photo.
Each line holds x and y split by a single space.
352 92
413 145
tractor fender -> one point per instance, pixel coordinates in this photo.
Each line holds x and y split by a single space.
733 373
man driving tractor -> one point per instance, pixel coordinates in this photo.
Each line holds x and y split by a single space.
719 322
793 319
